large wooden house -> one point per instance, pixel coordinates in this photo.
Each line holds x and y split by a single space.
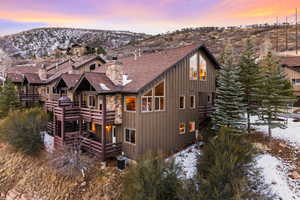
291 66
150 102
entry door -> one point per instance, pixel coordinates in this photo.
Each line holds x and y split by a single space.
113 134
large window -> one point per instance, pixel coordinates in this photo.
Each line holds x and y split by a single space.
147 100
193 67
130 103
197 66
192 126
182 128
159 97
296 81
92 101
182 102
193 101
202 68
130 135
154 99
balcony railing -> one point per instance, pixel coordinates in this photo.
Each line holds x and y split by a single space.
95 115
29 97
206 109
89 145
72 112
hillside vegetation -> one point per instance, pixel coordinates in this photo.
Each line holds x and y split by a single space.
215 38
27 178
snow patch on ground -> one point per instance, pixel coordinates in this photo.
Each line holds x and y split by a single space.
275 173
187 159
290 134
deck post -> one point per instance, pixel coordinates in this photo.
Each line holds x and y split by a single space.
63 124
80 99
103 127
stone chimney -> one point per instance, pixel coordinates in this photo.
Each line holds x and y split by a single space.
115 72
43 72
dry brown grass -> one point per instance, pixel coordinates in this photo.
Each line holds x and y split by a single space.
35 176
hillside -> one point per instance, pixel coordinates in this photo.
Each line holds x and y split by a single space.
215 38
43 41
26 178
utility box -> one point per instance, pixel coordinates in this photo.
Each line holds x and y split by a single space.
121 162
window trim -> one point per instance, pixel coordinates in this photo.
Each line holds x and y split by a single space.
164 97
125 108
200 55
182 133
197 66
194 125
89 96
130 129
143 96
153 98
183 102
194 97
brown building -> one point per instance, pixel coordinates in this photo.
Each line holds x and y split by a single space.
133 105
291 66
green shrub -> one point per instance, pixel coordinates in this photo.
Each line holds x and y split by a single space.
152 179
223 167
9 100
21 129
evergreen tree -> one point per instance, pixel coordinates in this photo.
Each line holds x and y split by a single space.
152 178
250 79
229 107
22 130
275 93
226 170
9 99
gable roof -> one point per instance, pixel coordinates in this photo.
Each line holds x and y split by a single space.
33 78
100 82
60 64
69 79
293 61
86 59
15 78
23 69
148 67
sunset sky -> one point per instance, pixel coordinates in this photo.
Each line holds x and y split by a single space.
150 16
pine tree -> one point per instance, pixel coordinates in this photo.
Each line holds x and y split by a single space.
275 93
250 79
9 99
229 107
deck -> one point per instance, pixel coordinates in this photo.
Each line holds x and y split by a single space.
88 145
29 97
74 112
206 109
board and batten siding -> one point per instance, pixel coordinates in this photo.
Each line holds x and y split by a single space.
129 121
159 131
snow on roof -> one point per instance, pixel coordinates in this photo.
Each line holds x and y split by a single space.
104 87
125 79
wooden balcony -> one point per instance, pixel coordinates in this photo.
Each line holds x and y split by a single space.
29 97
95 115
206 109
74 112
88 145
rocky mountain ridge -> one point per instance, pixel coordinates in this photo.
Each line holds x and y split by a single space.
42 42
